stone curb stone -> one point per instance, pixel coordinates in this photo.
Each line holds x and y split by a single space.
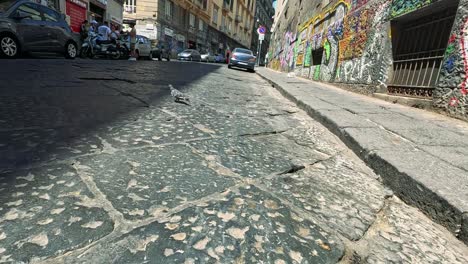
411 186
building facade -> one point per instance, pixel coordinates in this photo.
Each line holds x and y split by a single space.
215 26
264 14
415 48
77 11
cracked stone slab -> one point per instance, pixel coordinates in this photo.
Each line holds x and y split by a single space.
402 234
47 212
247 226
254 157
336 193
142 182
150 128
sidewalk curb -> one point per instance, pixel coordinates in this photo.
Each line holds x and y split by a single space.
406 187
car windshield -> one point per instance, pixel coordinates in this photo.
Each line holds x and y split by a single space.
245 51
5 4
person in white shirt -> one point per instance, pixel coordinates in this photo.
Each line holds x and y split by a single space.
104 32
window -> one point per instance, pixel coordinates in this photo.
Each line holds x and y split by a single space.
130 6
50 15
215 15
245 51
192 20
30 10
205 4
200 25
168 9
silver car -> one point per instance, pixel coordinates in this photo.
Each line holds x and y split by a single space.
242 58
142 47
189 55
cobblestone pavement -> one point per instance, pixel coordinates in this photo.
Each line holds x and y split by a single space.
100 165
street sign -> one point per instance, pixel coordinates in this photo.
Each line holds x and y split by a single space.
261 37
261 30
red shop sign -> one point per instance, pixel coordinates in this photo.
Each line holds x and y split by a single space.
77 12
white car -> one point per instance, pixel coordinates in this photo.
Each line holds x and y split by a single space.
142 47
208 57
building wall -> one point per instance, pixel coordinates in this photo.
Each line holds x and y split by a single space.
212 36
356 46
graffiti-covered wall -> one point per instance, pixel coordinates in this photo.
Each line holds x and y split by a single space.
349 42
352 37
451 93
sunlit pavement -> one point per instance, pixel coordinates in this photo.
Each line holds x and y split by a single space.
100 165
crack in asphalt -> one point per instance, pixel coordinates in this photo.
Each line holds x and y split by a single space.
146 104
267 133
106 79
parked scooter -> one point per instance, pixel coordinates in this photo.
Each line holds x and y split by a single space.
92 48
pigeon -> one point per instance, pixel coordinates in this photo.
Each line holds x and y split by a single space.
179 96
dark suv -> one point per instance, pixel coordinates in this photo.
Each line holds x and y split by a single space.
29 27
161 52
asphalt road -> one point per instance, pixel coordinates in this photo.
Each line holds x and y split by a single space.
100 165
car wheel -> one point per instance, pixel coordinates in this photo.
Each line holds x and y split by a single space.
9 46
160 57
168 58
116 56
229 67
150 57
71 50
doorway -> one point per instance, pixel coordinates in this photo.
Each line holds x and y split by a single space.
419 41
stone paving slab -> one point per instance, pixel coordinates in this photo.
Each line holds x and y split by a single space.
33 146
47 212
391 239
142 181
247 226
413 126
317 188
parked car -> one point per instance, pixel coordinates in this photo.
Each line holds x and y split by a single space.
189 55
161 51
29 27
142 47
208 57
220 58
242 58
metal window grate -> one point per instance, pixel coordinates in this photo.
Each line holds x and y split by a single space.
419 53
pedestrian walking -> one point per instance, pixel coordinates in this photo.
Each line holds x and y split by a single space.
133 40
84 29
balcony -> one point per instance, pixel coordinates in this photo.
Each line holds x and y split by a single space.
226 7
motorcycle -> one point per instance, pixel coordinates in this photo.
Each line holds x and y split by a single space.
92 47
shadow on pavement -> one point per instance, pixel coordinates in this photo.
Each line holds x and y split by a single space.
49 107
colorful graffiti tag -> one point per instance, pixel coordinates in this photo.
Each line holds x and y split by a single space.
401 7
